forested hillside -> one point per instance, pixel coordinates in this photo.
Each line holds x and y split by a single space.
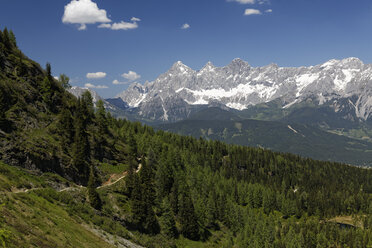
170 190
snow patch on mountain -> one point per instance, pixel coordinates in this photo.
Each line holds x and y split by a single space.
238 86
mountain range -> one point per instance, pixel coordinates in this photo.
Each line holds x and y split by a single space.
174 95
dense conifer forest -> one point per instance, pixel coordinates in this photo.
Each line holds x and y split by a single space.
175 191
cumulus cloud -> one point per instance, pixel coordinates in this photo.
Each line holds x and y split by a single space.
135 19
185 26
248 12
121 25
243 1
268 10
250 1
96 75
131 75
118 82
84 12
89 85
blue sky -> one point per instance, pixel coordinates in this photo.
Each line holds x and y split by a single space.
294 33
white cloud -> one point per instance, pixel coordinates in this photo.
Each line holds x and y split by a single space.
96 75
56 78
248 12
264 1
89 85
117 82
135 19
131 75
268 10
243 1
105 25
121 25
185 26
84 12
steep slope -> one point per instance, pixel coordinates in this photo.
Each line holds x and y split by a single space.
239 86
301 139
39 120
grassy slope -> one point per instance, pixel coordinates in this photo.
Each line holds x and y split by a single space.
39 214
40 217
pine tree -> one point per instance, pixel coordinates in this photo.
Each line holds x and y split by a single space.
167 223
81 147
93 196
66 128
187 217
12 39
65 81
102 130
48 70
137 206
6 39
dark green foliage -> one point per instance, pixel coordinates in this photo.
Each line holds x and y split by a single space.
306 140
167 223
93 196
46 90
187 217
6 39
143 197
102 131
12 39
66 129
3 121
81 146
48 71
65 81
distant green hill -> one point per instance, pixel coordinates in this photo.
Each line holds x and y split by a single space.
305 140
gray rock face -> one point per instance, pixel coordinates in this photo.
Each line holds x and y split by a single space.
238 86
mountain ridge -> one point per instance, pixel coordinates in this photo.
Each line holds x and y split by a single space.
240 86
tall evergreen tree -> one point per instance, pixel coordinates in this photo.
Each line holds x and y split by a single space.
187 216
102 130
65 81
6 39
48 69
167 223
93 196
81 147
12 39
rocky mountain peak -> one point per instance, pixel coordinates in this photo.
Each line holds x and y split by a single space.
238 86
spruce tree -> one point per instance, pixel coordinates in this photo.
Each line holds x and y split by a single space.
48 70
65 81
167 223
102 130
81 147
93 196
187 217
137 206
150 223
6 39
66 128
12 39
